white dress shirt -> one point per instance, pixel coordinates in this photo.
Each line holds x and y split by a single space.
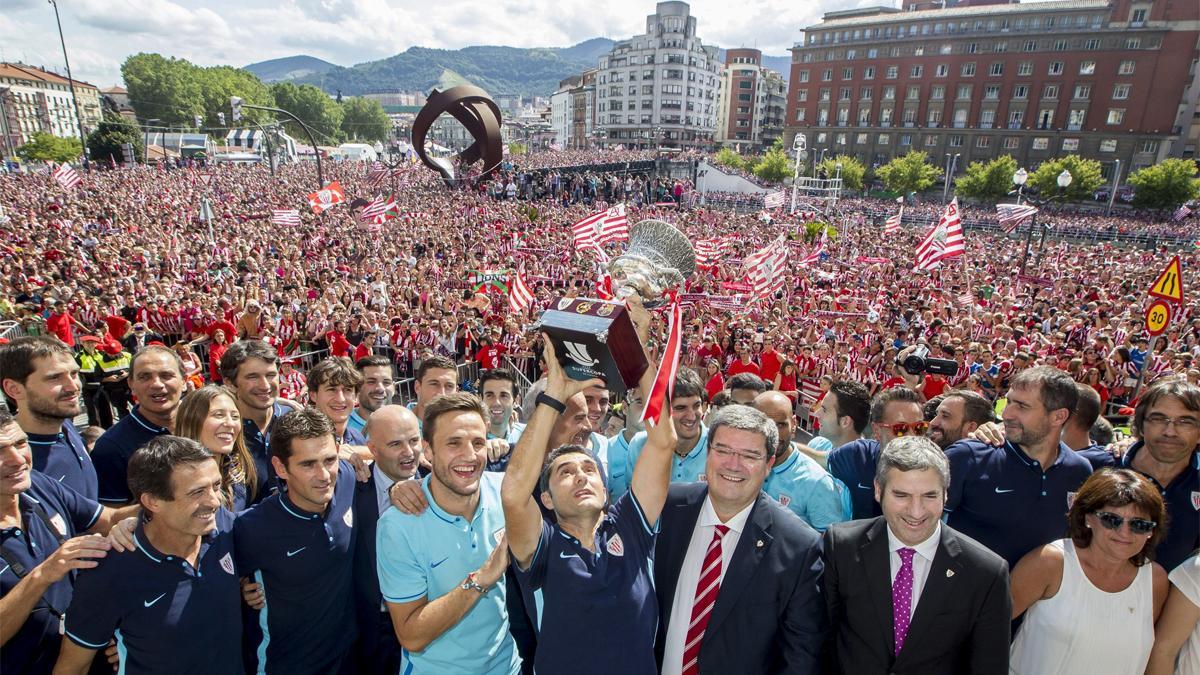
921 562
689 576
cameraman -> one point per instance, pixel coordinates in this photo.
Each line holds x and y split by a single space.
929 384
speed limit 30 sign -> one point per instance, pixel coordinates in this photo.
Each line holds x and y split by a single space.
1158 317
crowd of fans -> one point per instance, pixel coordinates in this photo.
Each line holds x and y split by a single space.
247 317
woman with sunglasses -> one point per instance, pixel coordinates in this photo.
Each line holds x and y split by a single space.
1090 601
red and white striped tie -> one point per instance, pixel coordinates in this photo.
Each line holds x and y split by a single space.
706 596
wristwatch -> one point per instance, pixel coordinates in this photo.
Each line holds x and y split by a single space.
471 585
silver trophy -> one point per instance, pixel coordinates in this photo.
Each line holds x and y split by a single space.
658 259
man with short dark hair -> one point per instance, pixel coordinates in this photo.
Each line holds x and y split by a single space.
41 376
844 412
251 369
378 388
298 544
744 386
173 603
436 376
1077 434
895 412
688 405
333 387
958 414
907 594
156 378
1014 498
498 389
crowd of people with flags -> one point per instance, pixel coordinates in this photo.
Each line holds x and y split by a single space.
297 311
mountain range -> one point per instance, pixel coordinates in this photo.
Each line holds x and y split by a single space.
497 69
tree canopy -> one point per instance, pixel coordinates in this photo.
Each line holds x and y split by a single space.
1085 177
45 147
364 118
1165 185
908 173
989 180
105 142
852 170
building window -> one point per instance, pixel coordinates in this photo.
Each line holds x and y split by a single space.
1133 43
1041 143
1092 44
1045 118
873 53
937 92
860 139
1138 17
1020 91
1030 46
844 94
1060 45
1126 68
1000 47
1056 68
964 92
864 93
935 117
1070 145
883 139
1083 92
996 68
889 93
905 139
1050 91
1149 146
945 49
956 140
847 73
968 69
827 75
1015 118
1075 119
1025 68
931 141
914 93
869 73
802 95
864 117
983 142
972 48
991 92
801 114
1115 116
1108 145
1121 91
941 70
916 71
892 72
804 76
1011 142
987 118
745 84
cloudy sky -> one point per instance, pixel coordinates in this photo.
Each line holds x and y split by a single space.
100 34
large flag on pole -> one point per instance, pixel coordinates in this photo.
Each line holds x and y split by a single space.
1012 215
327 197
775 199
379 210
615 226
710 251
892 226
955 245
287 217
765 268
67 176
520 298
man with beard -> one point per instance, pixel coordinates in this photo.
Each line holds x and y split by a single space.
895 412
40 374
299 546
441 571
173 603
1015 498
394 438
959 413
377 390
157 380
688 405
436 376
843 413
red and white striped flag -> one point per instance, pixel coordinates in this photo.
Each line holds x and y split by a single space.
586 232
931 248
892 226
615 226
66 176
1181 213
814 256
657 403
520 298
710 251
1012 215
286 217
775 200
765 268
951 219
379 210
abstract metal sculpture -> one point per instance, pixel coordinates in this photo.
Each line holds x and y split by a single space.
476 111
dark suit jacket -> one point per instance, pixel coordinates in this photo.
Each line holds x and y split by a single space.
961 623
768 617
378 649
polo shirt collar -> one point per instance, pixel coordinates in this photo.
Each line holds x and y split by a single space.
926 549
701 444
708 516
790 462
143 544
1063 449
290 507
1126 462
136 414
48 439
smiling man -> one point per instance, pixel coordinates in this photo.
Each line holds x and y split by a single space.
173 603
299 546
907 559
334 385
689 404
251 369
378 388
498 388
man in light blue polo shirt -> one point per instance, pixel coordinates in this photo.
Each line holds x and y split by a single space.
688 407
796 480
442 572
378 388
498 388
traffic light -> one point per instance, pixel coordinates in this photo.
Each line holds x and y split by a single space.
221 118
236 104
199 121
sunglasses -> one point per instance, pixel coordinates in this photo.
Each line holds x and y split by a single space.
902 429
1112 521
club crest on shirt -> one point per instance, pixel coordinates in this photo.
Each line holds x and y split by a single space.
1070 500
59 524
497 534
616 546
784 500
227 563
1196 500
702 478
348 519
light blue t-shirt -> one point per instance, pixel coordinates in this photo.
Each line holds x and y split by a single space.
809 491
357 423
687 469
430 555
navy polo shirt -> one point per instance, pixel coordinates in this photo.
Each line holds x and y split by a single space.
854 464
1001 497
166 616
64 457
113 450
1096 455
1182 497
607 595
34 648
304 562
258 443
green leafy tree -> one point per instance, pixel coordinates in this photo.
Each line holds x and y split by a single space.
321 113
364 118
852 170
987 180
44 147
727 157
1085 177
774 166
105 142
1165 185
219 83
909 173
165 89
813 230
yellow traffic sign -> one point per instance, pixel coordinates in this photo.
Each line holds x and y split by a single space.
1158 317
1169 284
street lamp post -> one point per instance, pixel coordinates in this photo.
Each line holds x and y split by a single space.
800 147
1112 193
71 82
838 190
951 165
1019 178
311 138
1064 181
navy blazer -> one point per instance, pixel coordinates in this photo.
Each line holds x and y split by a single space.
961 623
769 615
378 649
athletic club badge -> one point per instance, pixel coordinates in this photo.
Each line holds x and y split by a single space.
1070 500
616 546
784 500
348 519
1196 500
227 563
497 535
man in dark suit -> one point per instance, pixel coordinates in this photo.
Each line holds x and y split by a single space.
394 437
907 594
738 576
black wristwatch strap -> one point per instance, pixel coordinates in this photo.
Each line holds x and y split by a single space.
543 399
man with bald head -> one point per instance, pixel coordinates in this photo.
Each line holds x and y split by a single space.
394 438
796 480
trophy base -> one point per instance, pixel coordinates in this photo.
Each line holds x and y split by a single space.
596 338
